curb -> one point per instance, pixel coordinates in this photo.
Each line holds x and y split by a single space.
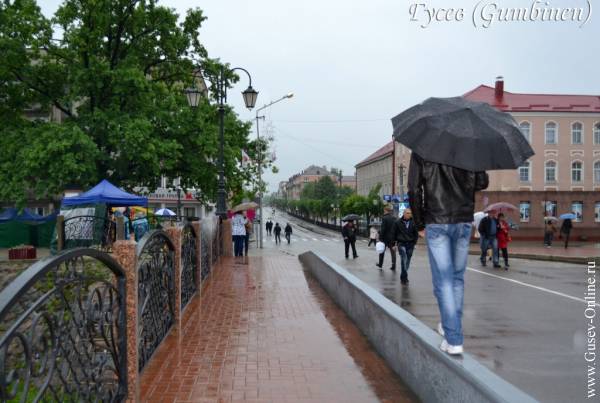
409 347
549 258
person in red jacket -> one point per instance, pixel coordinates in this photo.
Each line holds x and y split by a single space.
504 238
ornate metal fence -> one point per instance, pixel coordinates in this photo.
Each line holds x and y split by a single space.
189 264
89 231
63 330
216 246
156 292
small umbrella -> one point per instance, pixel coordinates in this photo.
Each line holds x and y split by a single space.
549 218
500 206
351 217
477 217
569 216
469 135
244 206
165 212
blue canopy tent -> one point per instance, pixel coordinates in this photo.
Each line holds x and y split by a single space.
107 193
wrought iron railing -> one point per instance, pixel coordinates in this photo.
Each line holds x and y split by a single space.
205 261
63 330
156 292
89 231
215 242
189 264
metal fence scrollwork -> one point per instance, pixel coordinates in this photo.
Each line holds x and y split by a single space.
215 243
189 264
63 331
156 292
89 231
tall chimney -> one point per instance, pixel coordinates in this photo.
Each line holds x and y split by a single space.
499 88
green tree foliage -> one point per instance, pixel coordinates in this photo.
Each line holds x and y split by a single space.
117 76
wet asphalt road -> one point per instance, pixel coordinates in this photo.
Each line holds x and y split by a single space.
526 324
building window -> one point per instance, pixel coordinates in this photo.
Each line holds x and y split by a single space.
597 133
524 211
597 212
597 172
189 211
576 133
526 130
576 171
525 172
551 208
577 209
550 171
551 133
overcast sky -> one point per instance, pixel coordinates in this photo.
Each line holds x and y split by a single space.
353 65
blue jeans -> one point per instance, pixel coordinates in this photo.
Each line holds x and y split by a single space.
486 243
448 249
405 250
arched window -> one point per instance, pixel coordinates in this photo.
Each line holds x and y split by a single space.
525 172
576 171
550 168
597 133
551 132
597 172
526 130
576 133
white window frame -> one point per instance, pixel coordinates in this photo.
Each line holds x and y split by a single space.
582 133
582 177
555 172
555 132
522 202
573 210
596 133
596 178
528 123
597 211
528 172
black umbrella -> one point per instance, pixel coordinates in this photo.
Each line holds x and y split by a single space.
469 135
351 217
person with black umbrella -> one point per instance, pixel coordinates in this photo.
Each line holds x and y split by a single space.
349 235
387 235
453 143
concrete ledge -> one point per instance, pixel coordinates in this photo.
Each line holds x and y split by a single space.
409 347
549 258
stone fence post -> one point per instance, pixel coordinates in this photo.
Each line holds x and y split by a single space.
227 243
124 254
175 233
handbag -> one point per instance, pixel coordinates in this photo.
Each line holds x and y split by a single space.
380 247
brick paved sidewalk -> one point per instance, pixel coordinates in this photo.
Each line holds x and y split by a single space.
266 332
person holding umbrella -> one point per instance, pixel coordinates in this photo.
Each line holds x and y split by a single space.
567 225
238 231
349 234
488 229
453 143
504 238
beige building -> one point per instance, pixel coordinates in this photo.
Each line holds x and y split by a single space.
293 187
376 168
564 174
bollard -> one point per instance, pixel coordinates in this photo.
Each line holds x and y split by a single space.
124 254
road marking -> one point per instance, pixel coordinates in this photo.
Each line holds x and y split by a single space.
315 239
305 240
326 240
532 286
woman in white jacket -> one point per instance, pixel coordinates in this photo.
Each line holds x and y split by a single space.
238 231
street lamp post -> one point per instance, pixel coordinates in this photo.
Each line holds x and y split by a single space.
259 157
178 203
193 95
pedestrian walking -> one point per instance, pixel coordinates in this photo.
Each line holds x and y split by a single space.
249 227
277 231
349 235
288 232
269 227
387 236
565 230
549 231
406 239
488 229
442 199
504 238
238 231
373 235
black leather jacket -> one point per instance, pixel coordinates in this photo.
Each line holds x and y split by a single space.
387 234
442 194
404 233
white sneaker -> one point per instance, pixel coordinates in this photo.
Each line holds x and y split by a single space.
450 349
440 329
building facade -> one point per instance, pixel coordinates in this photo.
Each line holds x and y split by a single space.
376 168
294 186
564 174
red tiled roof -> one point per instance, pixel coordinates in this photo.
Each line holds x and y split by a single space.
383 151
512 102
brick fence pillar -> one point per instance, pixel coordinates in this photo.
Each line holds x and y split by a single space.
227 243
198 228
124 254
175 234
